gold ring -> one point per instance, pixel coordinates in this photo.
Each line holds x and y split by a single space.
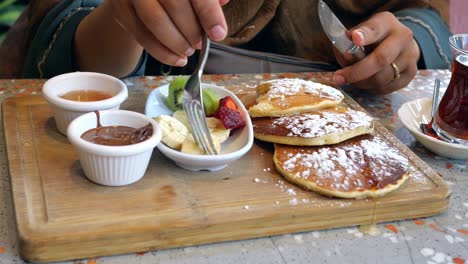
396 72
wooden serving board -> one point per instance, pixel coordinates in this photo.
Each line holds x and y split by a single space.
61 215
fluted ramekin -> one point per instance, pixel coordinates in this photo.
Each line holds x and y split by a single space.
113 165
66 110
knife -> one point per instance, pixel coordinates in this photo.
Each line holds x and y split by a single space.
336 32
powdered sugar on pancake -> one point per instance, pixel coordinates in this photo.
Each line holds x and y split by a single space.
358 165
310 125
280 88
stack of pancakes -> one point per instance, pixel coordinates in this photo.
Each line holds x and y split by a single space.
321 144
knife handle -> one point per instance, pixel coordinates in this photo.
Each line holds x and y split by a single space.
358 52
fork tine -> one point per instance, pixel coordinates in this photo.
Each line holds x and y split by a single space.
204 132
200 130
192 122
204 128
200 138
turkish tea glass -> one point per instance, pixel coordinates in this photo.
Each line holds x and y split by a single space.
451 119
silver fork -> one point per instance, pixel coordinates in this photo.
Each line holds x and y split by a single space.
193 103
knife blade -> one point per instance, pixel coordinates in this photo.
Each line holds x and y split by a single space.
336 32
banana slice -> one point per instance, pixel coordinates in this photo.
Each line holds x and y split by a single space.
214 125
174 131
217 129
181 115
189 146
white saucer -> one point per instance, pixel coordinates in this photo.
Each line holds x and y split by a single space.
412 114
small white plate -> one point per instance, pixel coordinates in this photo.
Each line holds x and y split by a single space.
239 143
414 113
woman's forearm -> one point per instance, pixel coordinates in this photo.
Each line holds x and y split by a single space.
102 45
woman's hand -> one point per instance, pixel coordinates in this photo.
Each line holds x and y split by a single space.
390 42
170 30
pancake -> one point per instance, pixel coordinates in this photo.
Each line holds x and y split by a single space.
282 97
321 127
361 167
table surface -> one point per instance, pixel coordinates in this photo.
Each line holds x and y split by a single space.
438 239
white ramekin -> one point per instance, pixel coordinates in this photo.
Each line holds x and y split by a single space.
66 110
113 165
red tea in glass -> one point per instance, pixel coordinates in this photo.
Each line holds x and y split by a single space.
451 120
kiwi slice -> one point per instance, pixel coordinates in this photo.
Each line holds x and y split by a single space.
175 99
176 91
210 101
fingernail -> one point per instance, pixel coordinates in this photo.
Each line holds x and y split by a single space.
360 35
189 51
181 62
217 33
339 79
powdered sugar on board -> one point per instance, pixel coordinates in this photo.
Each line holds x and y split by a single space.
296 196
417 175
279 88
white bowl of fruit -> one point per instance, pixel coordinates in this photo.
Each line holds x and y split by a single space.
227 119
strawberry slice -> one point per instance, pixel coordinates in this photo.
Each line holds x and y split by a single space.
228 114
230 118
228 102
